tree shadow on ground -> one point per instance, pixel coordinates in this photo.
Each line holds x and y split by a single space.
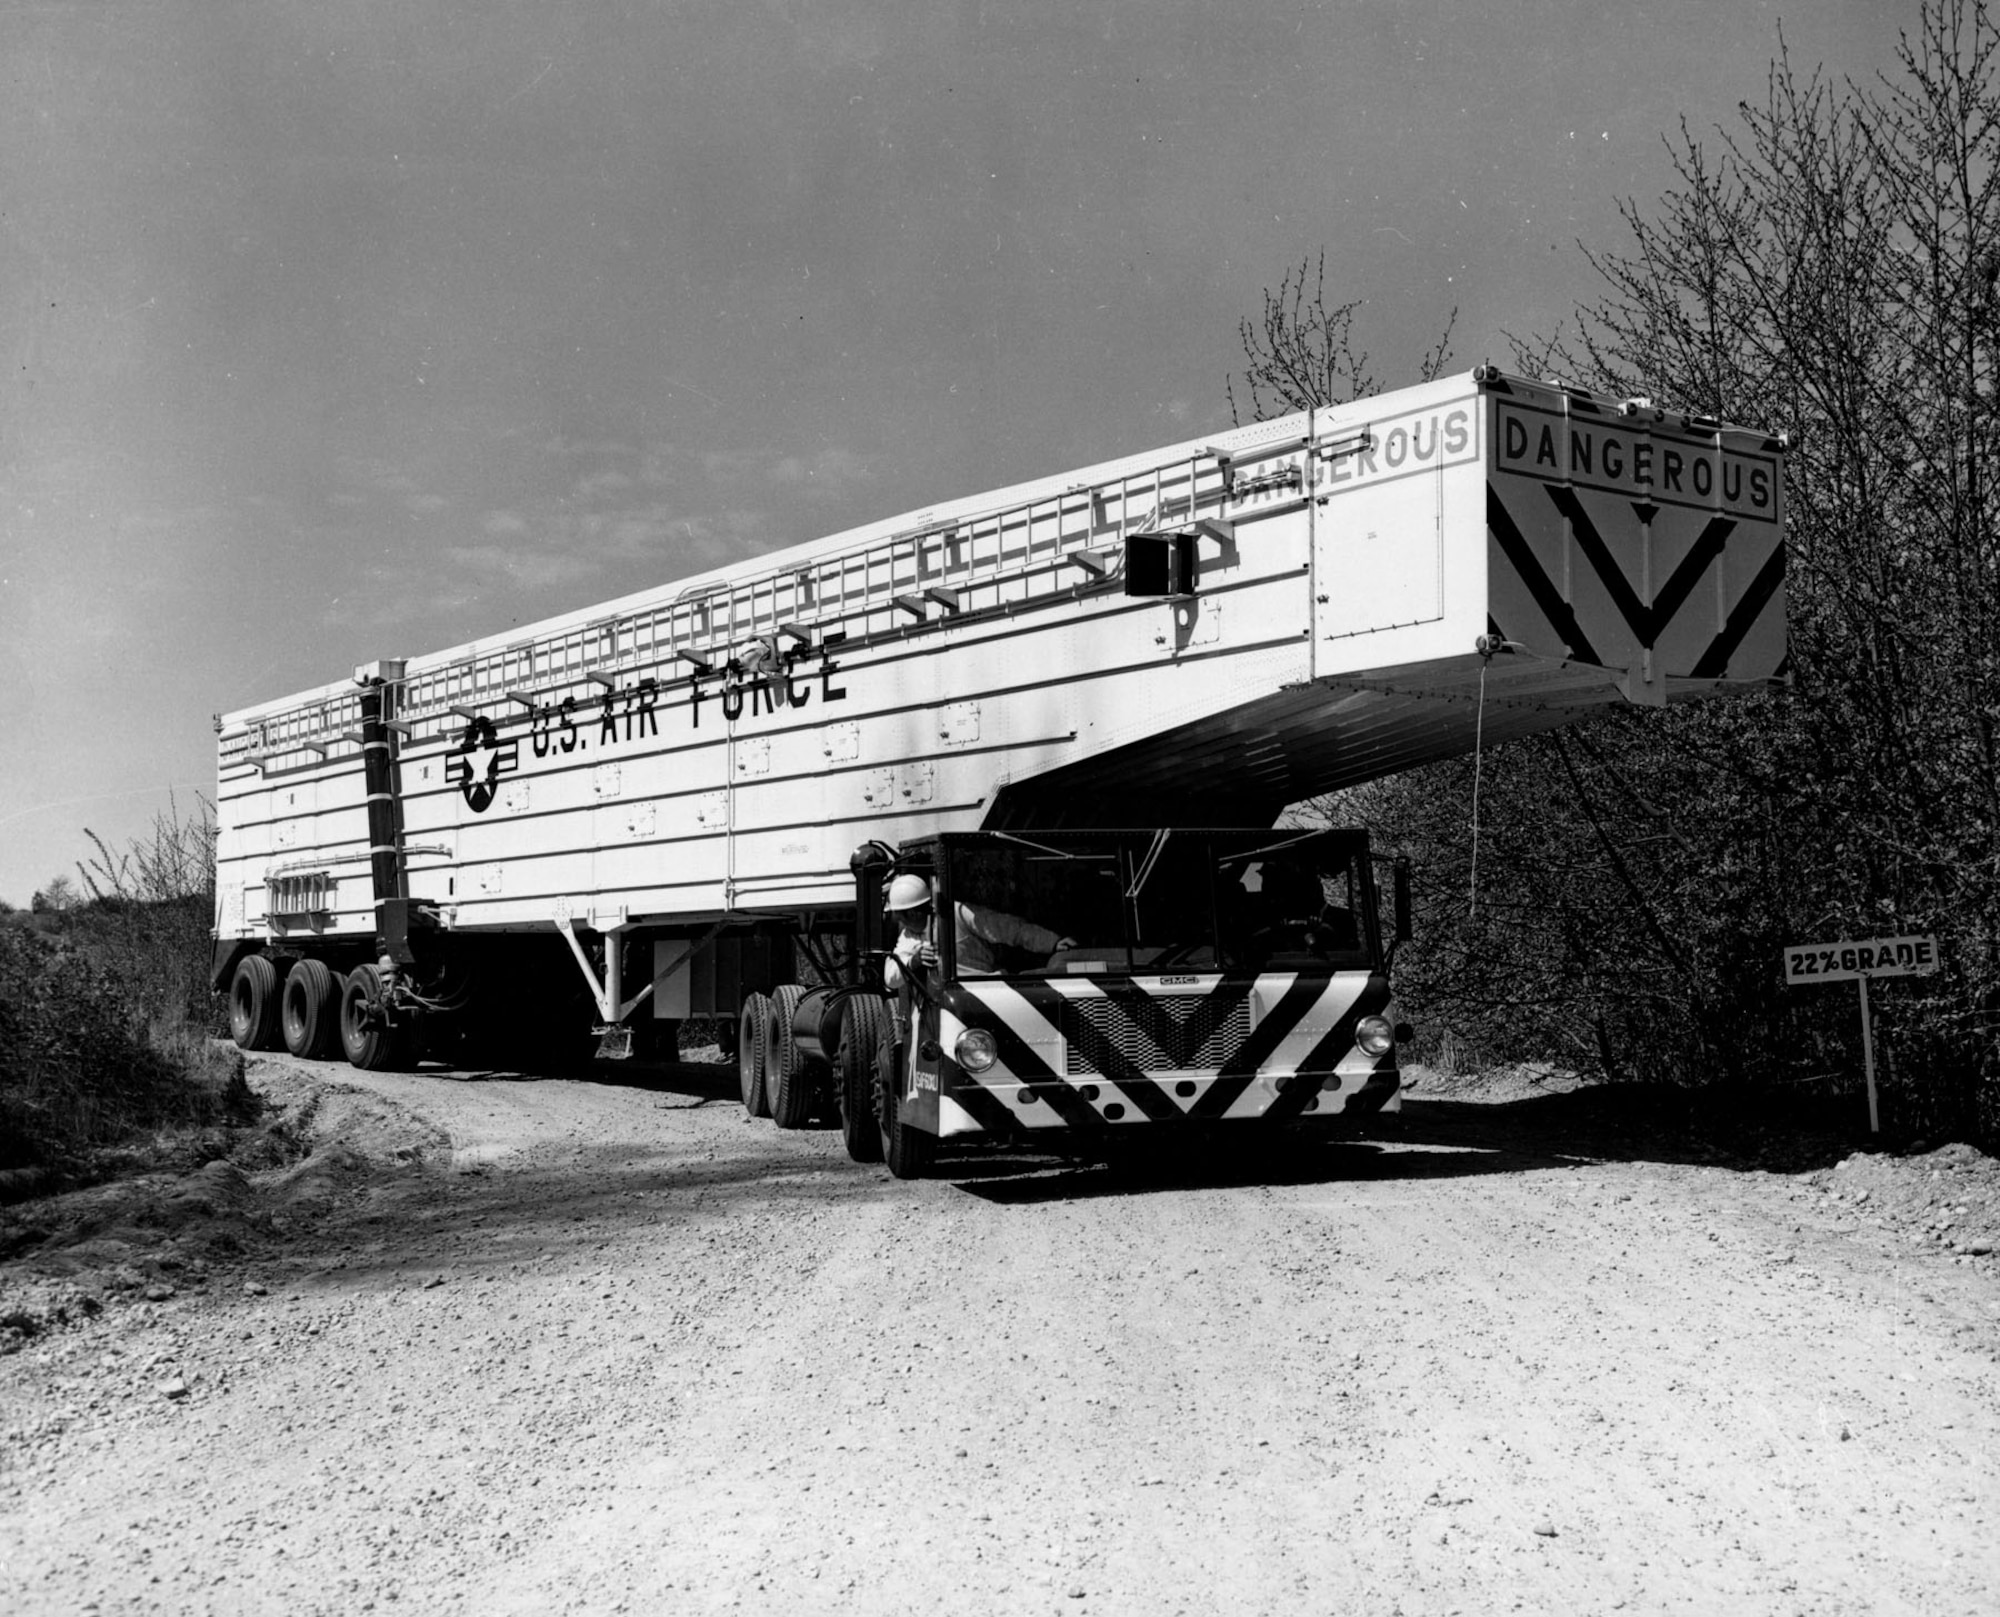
1712 1127
1018 1179
1444 1139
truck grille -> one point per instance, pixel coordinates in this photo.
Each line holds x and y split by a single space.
1174 1033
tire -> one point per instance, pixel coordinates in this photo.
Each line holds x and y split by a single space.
372 1049
750 1053
909 1152
253 1004
788 1075
861 1031
309 1010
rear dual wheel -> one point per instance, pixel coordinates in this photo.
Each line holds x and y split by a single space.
253 1004
788 1074
309 1010
750 1053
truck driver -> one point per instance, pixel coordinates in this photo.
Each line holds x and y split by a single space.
977 933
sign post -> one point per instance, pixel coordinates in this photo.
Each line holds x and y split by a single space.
1857 962
1868 1057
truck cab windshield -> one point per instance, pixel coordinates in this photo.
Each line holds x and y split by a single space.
1077 903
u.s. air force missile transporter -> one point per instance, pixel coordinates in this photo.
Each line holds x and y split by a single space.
1074 710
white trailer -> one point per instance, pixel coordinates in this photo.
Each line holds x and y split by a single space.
651 808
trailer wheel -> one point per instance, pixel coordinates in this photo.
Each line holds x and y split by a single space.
253 1004
750 1053
376 1048
309 1010
854 1077
909 1152
788 1076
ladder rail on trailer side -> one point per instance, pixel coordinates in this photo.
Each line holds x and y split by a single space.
676 780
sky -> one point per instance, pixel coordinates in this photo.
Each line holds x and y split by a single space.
344 330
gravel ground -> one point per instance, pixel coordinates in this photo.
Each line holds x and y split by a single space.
542 1344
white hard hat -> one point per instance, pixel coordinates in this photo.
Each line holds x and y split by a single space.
907 893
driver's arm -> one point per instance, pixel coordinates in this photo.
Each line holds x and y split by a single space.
996 926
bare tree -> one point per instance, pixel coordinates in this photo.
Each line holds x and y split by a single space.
174 860
1828 267
1301 353
54 899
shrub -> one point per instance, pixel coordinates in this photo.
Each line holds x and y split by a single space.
106 1013
149 915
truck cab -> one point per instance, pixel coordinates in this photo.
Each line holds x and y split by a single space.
1089 981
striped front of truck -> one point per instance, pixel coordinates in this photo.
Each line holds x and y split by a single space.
1023 1055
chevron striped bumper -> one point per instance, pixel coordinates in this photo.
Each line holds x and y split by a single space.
1086 1054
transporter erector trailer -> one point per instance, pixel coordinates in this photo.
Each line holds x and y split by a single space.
1075 708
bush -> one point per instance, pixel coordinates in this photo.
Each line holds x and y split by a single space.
159 951
106 1015
149 916
81 1068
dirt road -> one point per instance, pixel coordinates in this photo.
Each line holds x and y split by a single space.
617 1348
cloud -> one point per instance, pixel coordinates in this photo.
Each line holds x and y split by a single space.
599 484
377 475
569 547
584 446
830 473
380 597
733 465
825 473
529 570
615 517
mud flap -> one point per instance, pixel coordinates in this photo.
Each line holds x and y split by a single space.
918 1105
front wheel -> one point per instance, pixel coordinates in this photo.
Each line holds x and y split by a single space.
861 1030
908 1151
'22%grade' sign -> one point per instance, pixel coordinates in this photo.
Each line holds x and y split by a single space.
1843 962
1856 963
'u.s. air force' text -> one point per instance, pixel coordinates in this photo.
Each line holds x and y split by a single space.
740 689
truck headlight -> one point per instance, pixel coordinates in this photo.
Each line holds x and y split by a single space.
1375 1036
975 1050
